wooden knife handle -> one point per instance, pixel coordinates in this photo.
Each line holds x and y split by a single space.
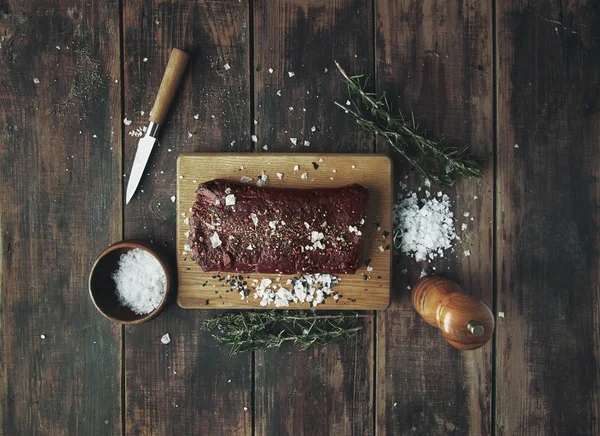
465 321
168 87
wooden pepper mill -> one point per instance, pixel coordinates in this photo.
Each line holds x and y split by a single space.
465 321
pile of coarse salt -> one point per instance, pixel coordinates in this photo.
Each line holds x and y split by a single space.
141 281
423 227
309 288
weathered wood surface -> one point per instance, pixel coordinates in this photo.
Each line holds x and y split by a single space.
548 213
60 172
324 391
435 58
189 386
398 376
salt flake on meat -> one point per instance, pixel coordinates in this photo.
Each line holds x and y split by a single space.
215 240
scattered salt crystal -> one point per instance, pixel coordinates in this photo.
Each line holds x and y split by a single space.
423 274
467 252
294 140
516 145
475 197
180 177
307 143
501 314
348 103
291 108
43 336
280 176
254 218
232 142
36 80
279 92
140 281
265 147
271 70
245 408
466 214
186 221
334 170
408 287
353 229
353 166
226 66
145 60
165 339
439 194
291 74
255 123
313 129
254 138
463 226
142 113
369 268
245 179
296 167
215 240
325 71
126 121
197 116
404 271
304 176
381 248
169 150
426 182
230 200
94 136
173 198
331 178
190 134
262 179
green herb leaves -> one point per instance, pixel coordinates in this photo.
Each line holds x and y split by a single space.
441 164
251 331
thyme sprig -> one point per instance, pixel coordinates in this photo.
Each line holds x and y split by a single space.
252 331
440 163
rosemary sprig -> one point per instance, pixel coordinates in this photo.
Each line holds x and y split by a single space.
441 164
252 331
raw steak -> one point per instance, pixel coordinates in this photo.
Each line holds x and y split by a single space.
236 227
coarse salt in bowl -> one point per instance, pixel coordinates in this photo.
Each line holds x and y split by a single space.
130 281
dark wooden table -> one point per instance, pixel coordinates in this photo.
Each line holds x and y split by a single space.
491 74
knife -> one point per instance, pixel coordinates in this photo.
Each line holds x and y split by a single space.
168 87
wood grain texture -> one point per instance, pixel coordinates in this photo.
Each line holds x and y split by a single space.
548 218
188 386
199 289
169 85
435 58
59 142
326 391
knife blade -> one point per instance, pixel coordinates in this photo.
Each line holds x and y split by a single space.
166 93
144 149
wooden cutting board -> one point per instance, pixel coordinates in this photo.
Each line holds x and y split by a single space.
363 290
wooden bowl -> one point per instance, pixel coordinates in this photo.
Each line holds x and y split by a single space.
103 289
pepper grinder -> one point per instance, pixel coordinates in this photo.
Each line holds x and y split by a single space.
465 321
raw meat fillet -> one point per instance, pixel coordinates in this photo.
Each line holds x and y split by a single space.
236 227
